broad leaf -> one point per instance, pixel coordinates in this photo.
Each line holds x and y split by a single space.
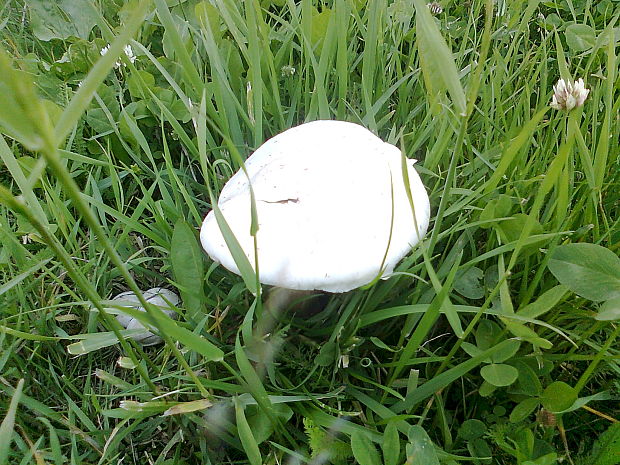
472 429
609 311
18 102
420 449
507 352
499 374
469 283
259 421
523 409
187 263
589 270
61 19
364 450
544 303
580 37
391 444
558 396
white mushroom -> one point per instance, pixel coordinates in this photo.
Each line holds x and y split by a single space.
324 194
162 298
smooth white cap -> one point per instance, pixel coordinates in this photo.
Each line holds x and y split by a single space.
162 298
324 201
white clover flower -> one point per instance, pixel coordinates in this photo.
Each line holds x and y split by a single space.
104 50
435 8
288 70
568 95
128 51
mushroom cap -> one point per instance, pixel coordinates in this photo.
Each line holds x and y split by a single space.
323 195
159 296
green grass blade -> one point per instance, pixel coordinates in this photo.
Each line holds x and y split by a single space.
100 340
6 427
245 435
252 16
375 13
426 323
436 60
602 148
512 149
239 256
7 286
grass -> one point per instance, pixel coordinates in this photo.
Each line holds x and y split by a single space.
496 340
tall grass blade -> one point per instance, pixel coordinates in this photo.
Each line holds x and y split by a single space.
512 149
437 62
6 427
245 435
602 148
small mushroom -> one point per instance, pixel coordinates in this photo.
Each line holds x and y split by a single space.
333 211
162 298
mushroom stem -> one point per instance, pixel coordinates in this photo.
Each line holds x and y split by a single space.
304 303
281 300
